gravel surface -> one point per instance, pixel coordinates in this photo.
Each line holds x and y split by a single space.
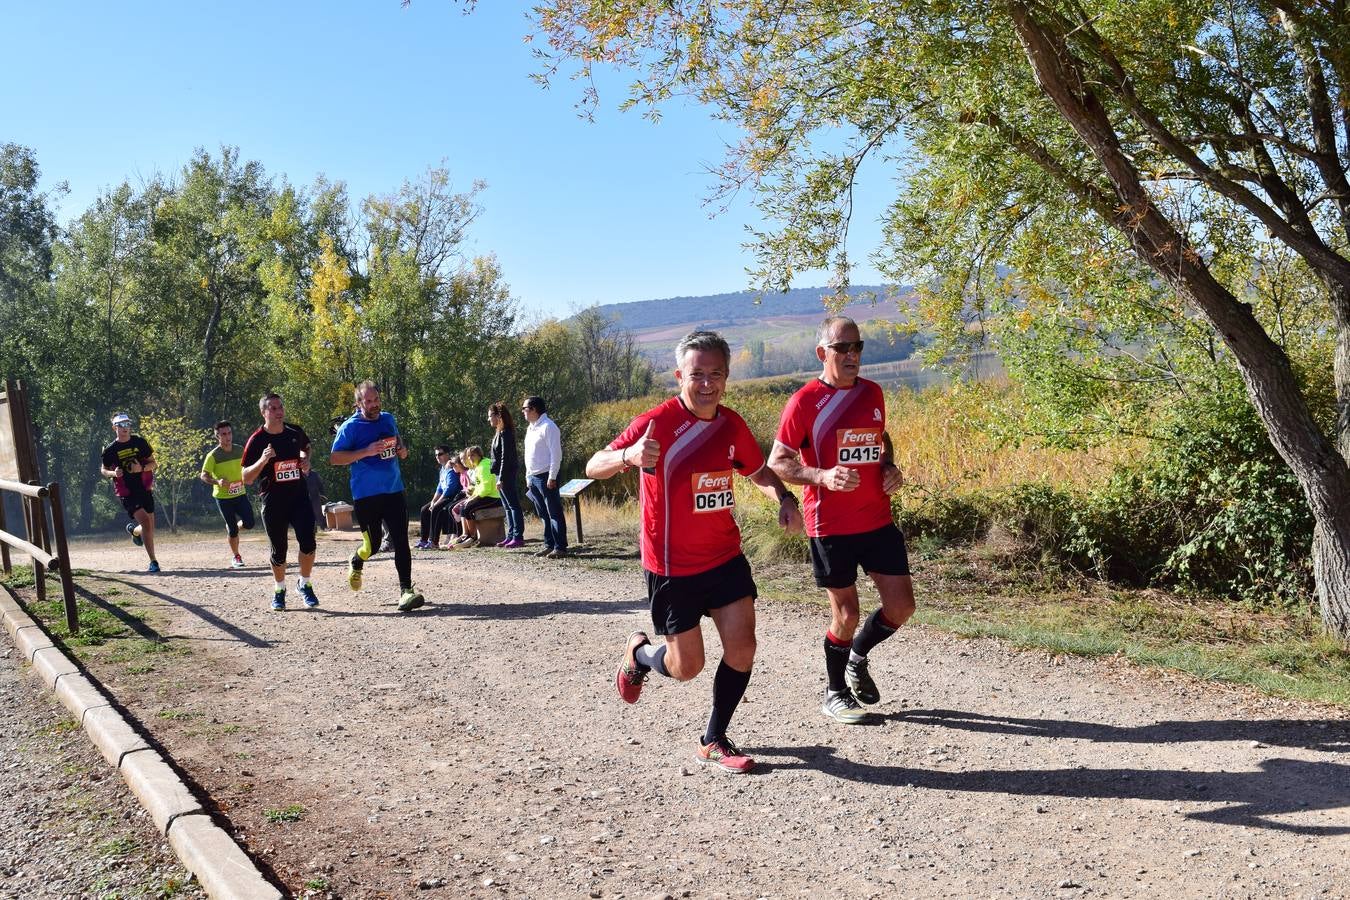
477 748
68 825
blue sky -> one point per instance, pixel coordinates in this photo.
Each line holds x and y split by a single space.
372 94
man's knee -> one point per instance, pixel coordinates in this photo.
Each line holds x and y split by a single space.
685 665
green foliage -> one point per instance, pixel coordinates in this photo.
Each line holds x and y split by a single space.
178 456
292 812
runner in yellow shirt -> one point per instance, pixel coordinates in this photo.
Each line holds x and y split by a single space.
223 470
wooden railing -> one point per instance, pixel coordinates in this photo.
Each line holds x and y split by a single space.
41 503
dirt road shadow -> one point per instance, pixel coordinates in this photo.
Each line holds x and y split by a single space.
1250 799
1327 736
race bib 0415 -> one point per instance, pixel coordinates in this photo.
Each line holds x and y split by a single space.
713 492
286 470
859 446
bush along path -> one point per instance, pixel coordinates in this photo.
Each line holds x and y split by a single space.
476 747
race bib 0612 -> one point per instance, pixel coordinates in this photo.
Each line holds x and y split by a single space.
859 446
713 492
234 488
286 470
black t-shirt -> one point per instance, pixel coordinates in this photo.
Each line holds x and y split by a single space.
281 477
118 454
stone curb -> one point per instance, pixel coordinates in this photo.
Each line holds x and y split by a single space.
205 849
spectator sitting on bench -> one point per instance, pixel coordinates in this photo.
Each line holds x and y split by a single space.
482 496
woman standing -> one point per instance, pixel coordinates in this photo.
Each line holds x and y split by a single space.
506 466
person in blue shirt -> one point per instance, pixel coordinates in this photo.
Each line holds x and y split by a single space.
436 518
369 442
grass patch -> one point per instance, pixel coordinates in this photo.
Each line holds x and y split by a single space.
118 846
293 812
177 714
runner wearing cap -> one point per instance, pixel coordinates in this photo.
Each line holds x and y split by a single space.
688 449
276 456
832 439
223 469
130 462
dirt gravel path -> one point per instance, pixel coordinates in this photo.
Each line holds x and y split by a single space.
69 827
476 748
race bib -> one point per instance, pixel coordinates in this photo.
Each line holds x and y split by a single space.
286 470
859 446
388 447
234 488
713 492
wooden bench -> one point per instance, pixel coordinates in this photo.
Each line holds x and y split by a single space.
491 524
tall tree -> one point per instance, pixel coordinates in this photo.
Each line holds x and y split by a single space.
1182 131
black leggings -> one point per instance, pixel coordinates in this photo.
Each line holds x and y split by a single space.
437 521
375 515
279 515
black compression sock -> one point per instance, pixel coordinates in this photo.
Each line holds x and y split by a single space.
728 689
836 660
650 656
875 630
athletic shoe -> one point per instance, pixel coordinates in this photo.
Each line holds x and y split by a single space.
307 594
630 676
135 535
237 562
513 544
410 600
153 567
467 544
842 706
353 576
420 545
279 598
557 554
725 755
544 552
861 683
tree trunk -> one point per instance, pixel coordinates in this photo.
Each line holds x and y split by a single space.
1266 371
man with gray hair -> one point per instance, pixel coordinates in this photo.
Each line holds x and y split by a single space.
832 439
687 450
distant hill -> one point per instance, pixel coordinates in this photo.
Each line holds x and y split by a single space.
717 311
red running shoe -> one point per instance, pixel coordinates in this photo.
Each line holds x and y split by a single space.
630 676
725 755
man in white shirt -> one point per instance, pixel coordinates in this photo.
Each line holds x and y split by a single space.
543 460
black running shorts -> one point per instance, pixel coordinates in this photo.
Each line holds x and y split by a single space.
679 602
835 560
145 501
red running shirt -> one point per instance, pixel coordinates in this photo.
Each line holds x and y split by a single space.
688 501
831 427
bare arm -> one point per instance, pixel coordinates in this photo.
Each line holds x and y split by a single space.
771 486
788 465
643 454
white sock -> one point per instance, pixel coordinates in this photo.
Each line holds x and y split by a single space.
281 584
303 581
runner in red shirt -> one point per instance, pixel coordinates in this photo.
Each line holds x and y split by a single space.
832 439
688 449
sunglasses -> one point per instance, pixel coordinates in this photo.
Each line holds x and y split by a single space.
846 346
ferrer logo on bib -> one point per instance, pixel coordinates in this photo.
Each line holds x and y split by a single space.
713 492
859 446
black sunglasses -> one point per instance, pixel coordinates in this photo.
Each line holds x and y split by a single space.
846 346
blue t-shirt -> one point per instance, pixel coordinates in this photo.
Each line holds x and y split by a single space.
447 484
374 474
